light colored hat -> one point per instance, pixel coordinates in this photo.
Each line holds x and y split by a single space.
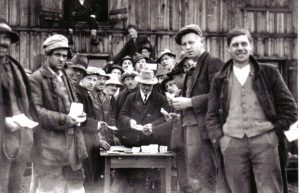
162 53
146 76
113 80
5 28
91 70
55 42
128 73
191 28
102 73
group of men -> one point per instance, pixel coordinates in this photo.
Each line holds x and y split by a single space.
224 121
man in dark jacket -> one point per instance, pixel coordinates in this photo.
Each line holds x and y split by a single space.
59 145
140 116
249 104
199 171
15 98
133 45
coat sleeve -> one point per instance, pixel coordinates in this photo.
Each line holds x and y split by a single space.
286 109
53 120
199 102
123 119
213 121
122 53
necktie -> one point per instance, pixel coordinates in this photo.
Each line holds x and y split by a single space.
145 98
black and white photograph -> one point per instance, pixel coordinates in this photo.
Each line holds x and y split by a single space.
149 96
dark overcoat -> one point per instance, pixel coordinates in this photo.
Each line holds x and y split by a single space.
134 108
56 142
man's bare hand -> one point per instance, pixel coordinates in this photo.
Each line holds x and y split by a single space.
180 103
147 129
104 145
132 123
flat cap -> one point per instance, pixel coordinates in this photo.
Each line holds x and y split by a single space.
191 28
55 42
129 73
165 51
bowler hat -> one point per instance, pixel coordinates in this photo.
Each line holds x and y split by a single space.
5 28
125 58
192 28
146 76
115 66
137 57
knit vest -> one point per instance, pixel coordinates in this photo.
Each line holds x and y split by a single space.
245 115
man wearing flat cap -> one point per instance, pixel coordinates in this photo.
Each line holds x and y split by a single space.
59 145
15 99
77 68
199 173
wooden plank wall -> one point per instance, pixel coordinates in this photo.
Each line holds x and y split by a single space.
272 22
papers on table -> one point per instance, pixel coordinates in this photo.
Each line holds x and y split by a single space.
24 121
147 149
293 133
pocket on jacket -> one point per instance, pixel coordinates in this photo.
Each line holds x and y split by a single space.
11 144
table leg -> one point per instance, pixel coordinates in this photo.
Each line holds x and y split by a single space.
107 175
168 176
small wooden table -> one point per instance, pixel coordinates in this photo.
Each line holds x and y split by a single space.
139 160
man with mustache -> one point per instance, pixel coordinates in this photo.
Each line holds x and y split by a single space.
249 109
15 99
199 171
59 145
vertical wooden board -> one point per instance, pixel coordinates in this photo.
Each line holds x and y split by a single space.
238 12
23 49
33 12
288 23
280 22
261 22
260 47
271 22
131 12
295 15
3 8
223 16
268 47
293 78
287 48
231 14
24 12
166 11
295 49
14 9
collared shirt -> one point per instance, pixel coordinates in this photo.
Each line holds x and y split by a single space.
143 95
59 75
242 73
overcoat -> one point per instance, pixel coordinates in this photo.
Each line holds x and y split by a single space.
134 108
56 142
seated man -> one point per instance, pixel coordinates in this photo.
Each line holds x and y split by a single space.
83 10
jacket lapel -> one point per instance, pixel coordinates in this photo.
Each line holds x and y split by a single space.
150 106
138 102
198 68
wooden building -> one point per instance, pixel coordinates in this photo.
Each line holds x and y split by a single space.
273 24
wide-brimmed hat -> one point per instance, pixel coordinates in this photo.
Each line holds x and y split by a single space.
79 61
115 66
5 28
125 58
129 73
56 41
191 28
165 51
91 70
102 73
113 80
146 76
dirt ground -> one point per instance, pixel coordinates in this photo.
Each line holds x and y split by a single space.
293 187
